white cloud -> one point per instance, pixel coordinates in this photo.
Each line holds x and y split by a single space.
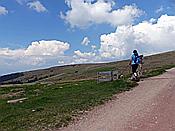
3 10
11 53
83 13
147 37
37 6
49 48
93 47
38 48
84 57
38 54
85 41
152 20
61 62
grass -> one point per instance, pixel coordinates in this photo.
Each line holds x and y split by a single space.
158 71
54 106
101 69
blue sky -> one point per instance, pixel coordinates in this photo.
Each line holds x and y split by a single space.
23 22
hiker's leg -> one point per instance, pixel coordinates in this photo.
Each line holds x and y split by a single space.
133 77
134 68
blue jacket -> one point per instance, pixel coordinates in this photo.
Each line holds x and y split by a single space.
135 59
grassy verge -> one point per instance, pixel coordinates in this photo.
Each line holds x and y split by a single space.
101 69
158 71
53 106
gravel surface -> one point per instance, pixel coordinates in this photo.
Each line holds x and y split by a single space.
148 107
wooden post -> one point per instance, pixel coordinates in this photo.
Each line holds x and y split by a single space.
111 75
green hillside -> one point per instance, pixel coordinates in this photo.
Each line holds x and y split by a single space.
78 72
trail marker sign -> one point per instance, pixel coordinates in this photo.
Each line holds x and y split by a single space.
107 76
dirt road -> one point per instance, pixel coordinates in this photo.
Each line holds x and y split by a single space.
148 107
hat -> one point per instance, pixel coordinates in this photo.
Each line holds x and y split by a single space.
135 51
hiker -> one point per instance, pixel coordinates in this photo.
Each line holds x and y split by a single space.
134 62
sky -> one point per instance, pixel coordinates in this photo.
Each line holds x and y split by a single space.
38 34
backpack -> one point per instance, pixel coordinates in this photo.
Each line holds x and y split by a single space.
136 60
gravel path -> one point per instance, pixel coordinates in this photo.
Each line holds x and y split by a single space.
148 107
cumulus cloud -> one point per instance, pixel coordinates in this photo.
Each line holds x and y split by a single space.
38 48
37 54
83 13
147 37
49 48
84 57
3 10
85 41
37 6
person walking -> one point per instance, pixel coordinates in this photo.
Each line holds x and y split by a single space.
134 63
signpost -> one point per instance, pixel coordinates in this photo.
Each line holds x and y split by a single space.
107 76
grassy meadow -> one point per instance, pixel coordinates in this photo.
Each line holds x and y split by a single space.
53 106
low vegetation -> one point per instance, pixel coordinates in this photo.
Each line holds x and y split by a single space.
53 106
158 71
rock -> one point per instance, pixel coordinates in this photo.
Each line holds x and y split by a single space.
17 100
